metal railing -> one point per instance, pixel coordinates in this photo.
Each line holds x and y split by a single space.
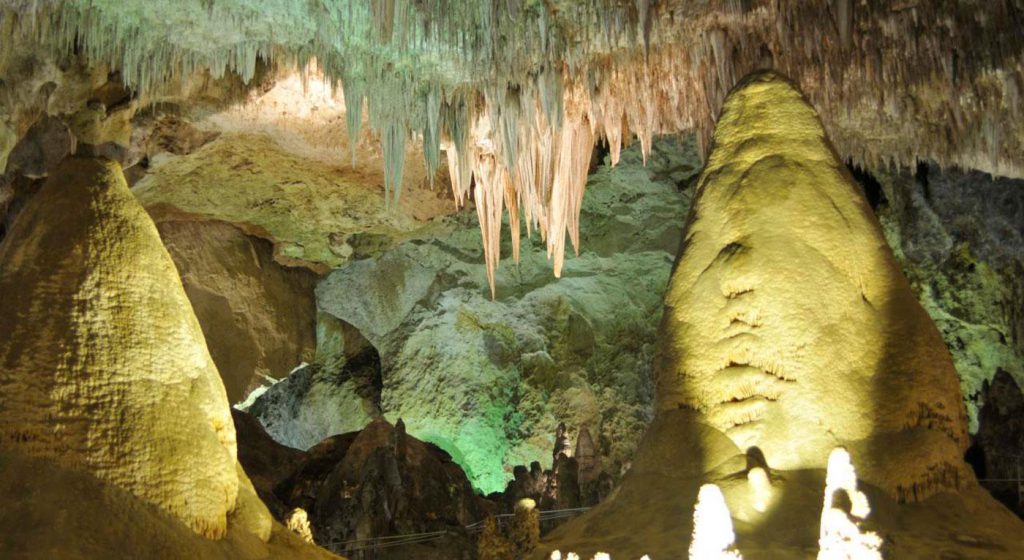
390 541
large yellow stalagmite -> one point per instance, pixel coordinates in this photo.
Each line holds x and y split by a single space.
789 325
789 330
103 366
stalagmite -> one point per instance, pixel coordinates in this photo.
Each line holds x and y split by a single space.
789 325
712 527
297 521
841 536
104 367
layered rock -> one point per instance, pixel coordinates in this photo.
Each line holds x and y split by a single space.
317 214
489 380
105 369
789 329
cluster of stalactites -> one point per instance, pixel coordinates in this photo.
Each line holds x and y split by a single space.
518 91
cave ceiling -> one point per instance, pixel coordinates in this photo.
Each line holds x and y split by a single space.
514 94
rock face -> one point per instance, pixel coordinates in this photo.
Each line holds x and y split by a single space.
789 325
258 317
1000 440
373 483
104 367
317 215
315 401
489 380
960 239
788 330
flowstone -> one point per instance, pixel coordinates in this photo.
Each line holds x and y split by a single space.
103 367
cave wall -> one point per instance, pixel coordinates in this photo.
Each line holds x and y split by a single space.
959 236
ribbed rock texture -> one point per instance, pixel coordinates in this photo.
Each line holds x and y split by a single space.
789 325
103 366
788 330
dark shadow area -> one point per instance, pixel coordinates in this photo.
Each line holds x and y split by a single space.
869 185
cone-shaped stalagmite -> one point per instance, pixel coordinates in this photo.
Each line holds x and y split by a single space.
789 330
103 366
789 325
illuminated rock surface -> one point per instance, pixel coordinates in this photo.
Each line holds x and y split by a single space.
768 366
258 317
489 381
517 92
114 379
790 326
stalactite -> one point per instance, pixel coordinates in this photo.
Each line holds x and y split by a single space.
935 82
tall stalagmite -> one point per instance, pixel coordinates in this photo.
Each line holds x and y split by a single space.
789 330
103 366
789 326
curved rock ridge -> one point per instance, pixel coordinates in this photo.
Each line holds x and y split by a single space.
103 366
789 326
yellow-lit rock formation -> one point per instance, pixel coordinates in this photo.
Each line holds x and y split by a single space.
103 366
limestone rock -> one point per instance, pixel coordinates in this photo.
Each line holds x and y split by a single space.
489 380
267 462
309 209
959 237
807 325
314 402
379 482
1000 440
257 316
104 367
297 522
72 515
789 325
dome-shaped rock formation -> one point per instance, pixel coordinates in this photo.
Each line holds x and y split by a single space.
103 366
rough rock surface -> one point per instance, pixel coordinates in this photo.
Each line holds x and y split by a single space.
1000 440
376 482
314 402
758 299
258 318
317 214
489 380
789 326
267 462
959 237
54 512
104 367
